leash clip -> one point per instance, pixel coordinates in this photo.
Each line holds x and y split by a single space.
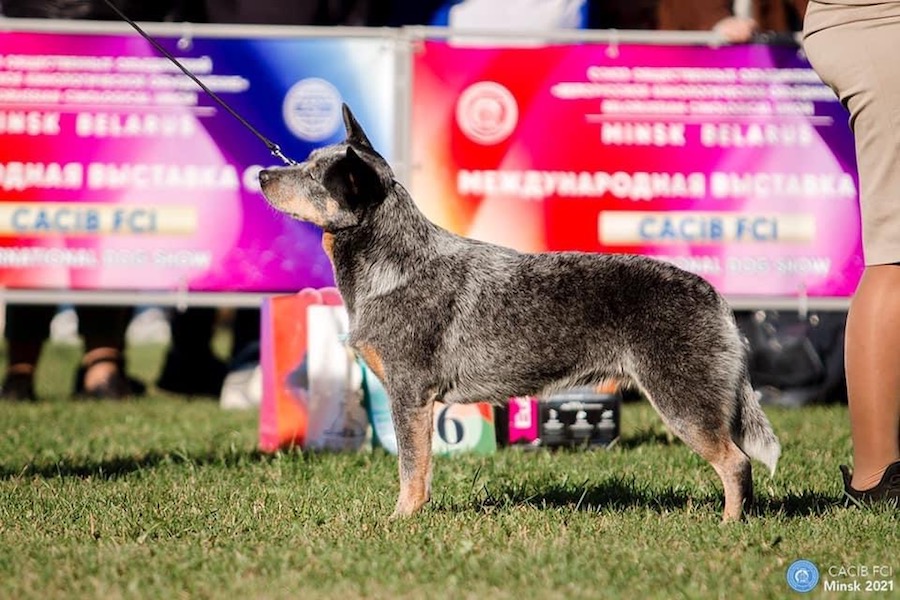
277 153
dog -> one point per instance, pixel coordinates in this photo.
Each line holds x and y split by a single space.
437 316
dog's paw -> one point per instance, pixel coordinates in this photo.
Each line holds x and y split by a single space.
407 508
730 518
402 512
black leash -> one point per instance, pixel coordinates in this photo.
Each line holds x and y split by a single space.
272 146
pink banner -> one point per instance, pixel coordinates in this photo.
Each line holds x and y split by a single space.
733 162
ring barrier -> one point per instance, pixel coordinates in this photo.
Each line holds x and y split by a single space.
121 182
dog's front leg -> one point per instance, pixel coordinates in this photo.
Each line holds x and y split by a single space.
413 424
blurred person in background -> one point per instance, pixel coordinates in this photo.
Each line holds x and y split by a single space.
102 370
737 21
617 14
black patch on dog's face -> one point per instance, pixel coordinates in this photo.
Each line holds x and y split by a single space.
353 181
335 186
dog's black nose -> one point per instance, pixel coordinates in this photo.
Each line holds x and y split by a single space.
264 176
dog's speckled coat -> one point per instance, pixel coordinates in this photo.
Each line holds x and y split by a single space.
441 317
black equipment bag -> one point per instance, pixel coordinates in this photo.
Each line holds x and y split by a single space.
796 359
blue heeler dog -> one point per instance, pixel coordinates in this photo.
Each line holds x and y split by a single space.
441 317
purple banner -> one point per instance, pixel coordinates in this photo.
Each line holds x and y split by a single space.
118 173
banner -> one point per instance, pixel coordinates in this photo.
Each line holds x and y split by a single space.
733 162
118 172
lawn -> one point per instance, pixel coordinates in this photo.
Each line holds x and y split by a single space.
167 497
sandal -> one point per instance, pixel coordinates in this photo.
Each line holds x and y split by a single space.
117 385
887 490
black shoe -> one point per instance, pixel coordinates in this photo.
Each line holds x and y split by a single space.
18 387
887 490
116 387
200 375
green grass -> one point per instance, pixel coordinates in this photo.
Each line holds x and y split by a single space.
167 497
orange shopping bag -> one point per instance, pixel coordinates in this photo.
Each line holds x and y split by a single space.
284 410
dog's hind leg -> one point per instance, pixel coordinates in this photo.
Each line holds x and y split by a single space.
413 425
728 460
703 422
735 471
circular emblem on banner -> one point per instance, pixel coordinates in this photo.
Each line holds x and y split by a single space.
312 109
487 112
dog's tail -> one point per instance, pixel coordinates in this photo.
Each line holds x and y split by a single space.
753 432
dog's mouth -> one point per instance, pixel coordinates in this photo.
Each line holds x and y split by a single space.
285 204
277 199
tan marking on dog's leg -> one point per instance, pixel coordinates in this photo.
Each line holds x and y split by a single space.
413 427
718 448
733 468
373 360
328 245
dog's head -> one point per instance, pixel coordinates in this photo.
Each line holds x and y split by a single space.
336 186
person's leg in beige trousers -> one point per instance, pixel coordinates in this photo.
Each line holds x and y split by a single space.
855 49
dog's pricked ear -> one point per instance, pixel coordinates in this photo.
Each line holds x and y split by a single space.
355 134
362 177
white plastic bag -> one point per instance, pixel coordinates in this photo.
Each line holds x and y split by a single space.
337 418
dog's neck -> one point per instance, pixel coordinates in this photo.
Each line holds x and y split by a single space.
379 255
